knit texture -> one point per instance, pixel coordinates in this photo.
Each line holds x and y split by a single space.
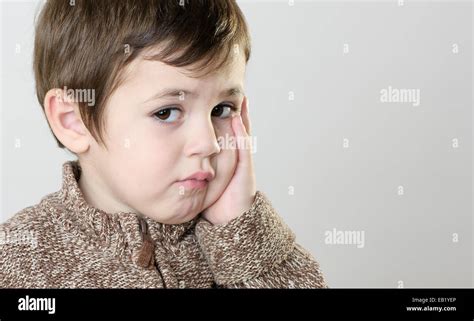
63 242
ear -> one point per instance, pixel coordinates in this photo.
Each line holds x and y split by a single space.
65 121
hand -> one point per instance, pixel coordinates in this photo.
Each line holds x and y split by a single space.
239 194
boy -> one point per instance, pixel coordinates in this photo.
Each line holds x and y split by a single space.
141 92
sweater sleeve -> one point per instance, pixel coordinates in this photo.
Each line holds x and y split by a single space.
19 267
257 250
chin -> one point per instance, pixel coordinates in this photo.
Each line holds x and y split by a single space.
179 219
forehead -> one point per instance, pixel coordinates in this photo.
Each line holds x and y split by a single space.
156 76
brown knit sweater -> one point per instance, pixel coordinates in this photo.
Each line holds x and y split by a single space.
63 242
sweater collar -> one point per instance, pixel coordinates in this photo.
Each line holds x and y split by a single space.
103 227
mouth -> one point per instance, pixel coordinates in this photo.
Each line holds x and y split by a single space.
194 183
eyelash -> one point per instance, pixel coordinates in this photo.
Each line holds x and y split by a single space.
232 107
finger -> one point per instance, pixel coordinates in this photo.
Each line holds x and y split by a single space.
243 142
245 115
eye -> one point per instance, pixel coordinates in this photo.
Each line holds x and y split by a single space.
167 115
223 110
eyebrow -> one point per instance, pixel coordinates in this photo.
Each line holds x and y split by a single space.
176 92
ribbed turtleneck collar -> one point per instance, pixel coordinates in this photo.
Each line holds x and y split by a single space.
105 228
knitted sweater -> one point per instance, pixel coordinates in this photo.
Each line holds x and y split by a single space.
63 242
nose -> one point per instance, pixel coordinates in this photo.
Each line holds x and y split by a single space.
202 139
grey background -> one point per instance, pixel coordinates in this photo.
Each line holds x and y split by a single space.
299 48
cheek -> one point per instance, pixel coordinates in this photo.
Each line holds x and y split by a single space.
144 162
224 165
226 162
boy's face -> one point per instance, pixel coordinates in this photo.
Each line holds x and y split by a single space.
149 152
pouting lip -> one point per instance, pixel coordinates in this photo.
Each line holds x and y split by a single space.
201 175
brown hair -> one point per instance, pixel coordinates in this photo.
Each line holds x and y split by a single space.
85 44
